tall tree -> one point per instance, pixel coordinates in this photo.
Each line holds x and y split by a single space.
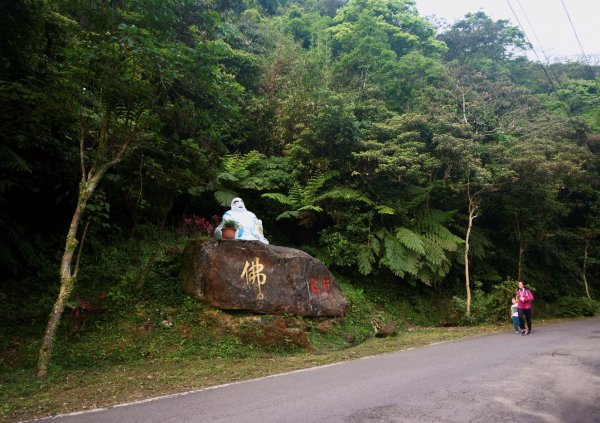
117 84
110 97
478 38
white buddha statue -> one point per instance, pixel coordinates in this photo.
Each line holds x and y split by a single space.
249 227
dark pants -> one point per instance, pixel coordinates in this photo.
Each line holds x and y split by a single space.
525 313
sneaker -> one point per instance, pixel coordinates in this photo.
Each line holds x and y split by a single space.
516 332
523 332
528 332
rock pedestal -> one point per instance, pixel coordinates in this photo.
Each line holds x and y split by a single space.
250 275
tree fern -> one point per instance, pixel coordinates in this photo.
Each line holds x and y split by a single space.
364 259
235 166
343 193
374 244
224 196
430 224
368 254
315 183
251 171
434 253
384 209
394 257
310 207
428 219
410 240
443 237
399 259
419 252
305 199
289 215
296 195
480 244
235 172
413 262
280 198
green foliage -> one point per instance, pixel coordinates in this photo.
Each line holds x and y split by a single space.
370 36
348 118
477 37
303 201
328 137
361 309
228 223
486 307
576 306
339 249
418 254
397 149
251 171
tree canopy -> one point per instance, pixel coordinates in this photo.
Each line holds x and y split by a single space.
354 129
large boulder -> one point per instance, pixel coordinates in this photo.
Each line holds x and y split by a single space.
250 275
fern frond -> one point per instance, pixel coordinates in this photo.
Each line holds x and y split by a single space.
347 194
433 252
385 210
288 215
226 176
426 276
238 165
251 158
374 244
230 162
296 195
432 217
395 256
311 208
480 245
280 198
412 263
224 197
315 183
364 259
443 237
410 240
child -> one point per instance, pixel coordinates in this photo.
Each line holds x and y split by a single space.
514 313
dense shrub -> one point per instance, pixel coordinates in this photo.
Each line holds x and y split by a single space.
576 306
487 307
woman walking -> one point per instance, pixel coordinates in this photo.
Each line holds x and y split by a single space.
524 297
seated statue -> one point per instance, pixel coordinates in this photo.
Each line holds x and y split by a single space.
249 227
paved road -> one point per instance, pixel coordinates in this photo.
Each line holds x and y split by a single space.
551 376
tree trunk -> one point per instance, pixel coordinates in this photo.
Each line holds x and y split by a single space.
467 278
464 106
67 278
522 247
520 261
585 257
473 206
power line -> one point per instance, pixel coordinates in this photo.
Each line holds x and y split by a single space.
533 32
532 47
581 47
542 65
539 44
556 78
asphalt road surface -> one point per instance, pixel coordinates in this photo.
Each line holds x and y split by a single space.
551 376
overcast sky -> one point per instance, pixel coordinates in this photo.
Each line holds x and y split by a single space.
545 22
